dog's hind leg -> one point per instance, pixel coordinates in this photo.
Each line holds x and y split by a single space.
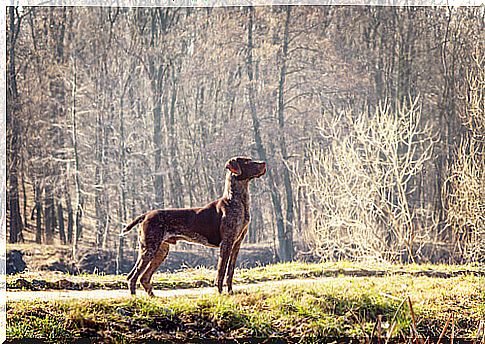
160 256
146 256
130 274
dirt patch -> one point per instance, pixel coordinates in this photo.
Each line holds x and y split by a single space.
102 262
61 265
59 258
192 257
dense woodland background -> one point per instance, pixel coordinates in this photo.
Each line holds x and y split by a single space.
371 120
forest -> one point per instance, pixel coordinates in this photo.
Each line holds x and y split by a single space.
371 121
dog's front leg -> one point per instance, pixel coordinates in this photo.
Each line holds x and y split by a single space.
233 257
225 252
232 264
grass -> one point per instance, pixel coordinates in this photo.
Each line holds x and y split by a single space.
339 306
203 277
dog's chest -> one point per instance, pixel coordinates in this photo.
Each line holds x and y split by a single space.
238 214
245 214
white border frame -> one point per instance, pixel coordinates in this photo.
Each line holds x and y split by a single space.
142 3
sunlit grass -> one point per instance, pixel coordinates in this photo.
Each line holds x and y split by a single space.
203 277
334 306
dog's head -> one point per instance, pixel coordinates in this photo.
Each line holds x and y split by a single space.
245 168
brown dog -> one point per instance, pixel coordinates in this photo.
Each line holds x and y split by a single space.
222 223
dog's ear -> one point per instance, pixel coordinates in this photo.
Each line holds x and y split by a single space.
233 166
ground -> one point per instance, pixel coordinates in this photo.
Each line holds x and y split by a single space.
296 300
58 257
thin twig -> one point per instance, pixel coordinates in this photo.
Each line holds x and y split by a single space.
452 329
444 329
391 329
393 321
479 332
373 330
390 296
413 318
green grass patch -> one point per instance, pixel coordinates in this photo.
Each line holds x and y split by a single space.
335 306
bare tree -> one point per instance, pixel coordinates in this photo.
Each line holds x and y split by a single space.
357 182
77 179
14 126
466 201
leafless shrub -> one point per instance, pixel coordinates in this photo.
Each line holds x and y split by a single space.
466 198
358 180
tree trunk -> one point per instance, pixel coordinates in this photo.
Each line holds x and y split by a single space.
60 217
49 215
15 233
70 216
257 223
286 252
275 196
119 256
99 181
78 206
24 194
97 177
38 211
176 183
156 83
104 242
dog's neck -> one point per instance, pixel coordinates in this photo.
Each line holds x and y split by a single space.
236 189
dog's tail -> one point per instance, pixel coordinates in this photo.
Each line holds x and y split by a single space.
132 224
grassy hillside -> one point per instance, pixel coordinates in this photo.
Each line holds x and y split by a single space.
331 306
